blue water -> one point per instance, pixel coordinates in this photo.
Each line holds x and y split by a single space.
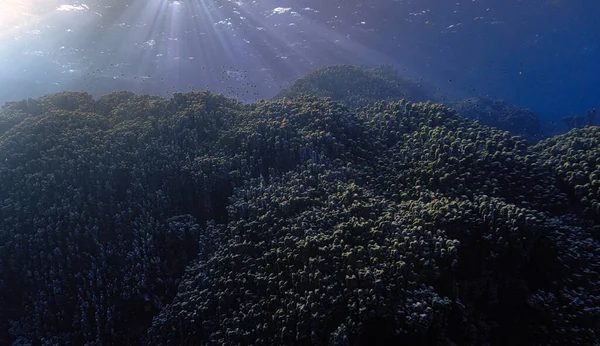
537 54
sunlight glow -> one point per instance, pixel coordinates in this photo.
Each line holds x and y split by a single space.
14 14
17 15
232 47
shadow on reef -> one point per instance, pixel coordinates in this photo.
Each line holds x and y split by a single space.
133 219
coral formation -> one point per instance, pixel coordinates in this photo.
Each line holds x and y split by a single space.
574 158
356 87
133 219
502 115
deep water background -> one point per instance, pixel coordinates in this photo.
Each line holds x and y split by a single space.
538 54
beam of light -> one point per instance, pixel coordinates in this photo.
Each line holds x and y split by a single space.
204 44
163 46
288 38
166 44
36 40
15 14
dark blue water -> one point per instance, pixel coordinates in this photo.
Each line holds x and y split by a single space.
537 54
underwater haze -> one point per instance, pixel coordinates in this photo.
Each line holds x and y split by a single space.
538 54
299 172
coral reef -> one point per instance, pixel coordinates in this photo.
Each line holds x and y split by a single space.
502 115
133 219
574 158
357 87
